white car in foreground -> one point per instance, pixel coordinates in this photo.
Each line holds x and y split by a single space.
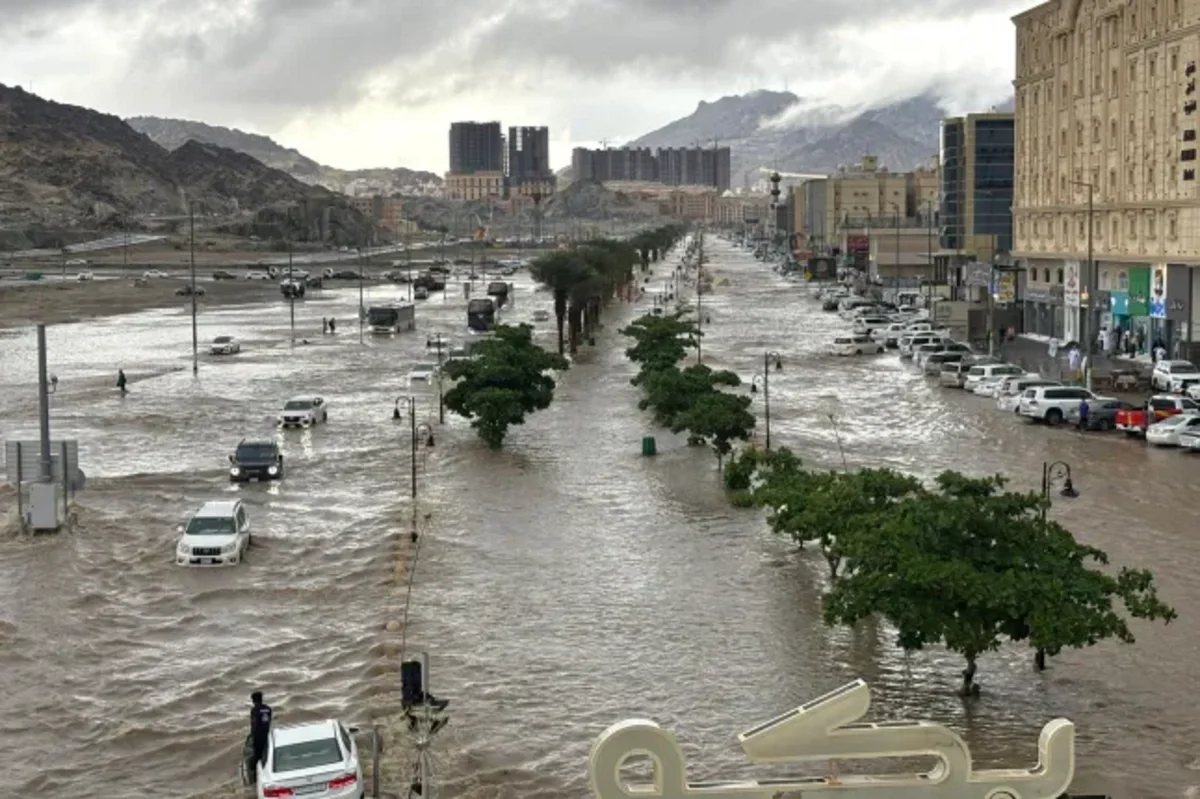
1175 376
149 274
1168 432
318 760
84 277
217 535
304 411
225 345
257 274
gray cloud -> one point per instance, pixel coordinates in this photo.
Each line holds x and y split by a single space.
317 54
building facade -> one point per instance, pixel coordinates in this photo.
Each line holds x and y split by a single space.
476 147
977 163
1106 110
671 166
475 186
529 161
387 212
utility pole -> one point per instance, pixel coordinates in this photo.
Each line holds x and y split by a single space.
362 311
437 341
929 255
291 278
192 258
1088 285
699 312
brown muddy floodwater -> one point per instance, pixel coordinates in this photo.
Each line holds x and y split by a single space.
563 584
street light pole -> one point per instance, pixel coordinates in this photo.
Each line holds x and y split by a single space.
1088 284
897 261
699 313
192 259
437 342
768 357
291 277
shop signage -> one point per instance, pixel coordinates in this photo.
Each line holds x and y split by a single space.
1158 292
977 275
1119 302
1139 290
1040 295
858 244
1176 304
1071 283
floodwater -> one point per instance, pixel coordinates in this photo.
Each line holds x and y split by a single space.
563 584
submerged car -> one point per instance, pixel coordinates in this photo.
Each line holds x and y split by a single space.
318 759
303 411
255 460
216 535
224 345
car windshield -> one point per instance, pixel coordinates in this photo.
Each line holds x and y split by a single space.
1182 366
976 371
256 452
210 525
307 754
423 367
1174 421
222 340
298 405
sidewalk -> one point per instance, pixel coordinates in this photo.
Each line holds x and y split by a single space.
1033 354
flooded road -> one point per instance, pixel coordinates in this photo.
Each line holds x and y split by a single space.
564 583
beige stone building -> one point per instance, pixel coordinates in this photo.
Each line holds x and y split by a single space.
1106 108
387 211
474 185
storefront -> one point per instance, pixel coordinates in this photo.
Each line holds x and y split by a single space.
1043 311
1137 307
1177 302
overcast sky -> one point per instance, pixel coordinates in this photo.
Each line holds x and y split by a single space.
361 83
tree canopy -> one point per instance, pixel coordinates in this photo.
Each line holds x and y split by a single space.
963 563
691 399
506 380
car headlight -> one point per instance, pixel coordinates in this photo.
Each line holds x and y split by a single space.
182 548
235 471
272 470
228 548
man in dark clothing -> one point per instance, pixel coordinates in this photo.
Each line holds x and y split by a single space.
260 731
121 380
332 325
1083 416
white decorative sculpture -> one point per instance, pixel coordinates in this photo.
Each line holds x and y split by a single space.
824 729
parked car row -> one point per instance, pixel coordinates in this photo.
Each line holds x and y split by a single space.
875 325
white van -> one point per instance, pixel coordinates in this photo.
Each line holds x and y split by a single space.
909 344
1009 398
855 345
981 378
217 535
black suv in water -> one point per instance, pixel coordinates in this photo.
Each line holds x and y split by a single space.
256 460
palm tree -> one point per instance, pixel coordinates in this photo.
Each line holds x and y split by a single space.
563 272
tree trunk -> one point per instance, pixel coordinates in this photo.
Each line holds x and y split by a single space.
1039 660
574 314
560 315
969 686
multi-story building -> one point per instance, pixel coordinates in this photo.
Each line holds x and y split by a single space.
1106 109
475 186
976 209
476 147
388 212
695 166
528 169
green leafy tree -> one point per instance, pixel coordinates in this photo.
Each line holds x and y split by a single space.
563 272
507 380
717 417
970 566
670 392
660 342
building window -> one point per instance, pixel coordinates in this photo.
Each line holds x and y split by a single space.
1062 138
1112 83
1112 133
1171 228
1151 225
1150 176
1062 184
1078 134
1066 232
1095 131
1115 231
1132 227
1060 276
1129 179
1080 233
1132 128
1096 85
1132 71
1151 67
1174 60
1045 275
1112 180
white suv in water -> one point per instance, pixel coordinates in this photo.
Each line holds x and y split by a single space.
217 535
304 411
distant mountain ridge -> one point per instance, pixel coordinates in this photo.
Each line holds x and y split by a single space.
68 166
768 130
173 133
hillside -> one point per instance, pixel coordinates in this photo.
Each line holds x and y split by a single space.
777 130
69 168
59 163
173 133
587 199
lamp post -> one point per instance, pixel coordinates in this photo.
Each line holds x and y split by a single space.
765 377
418 434
928 205
699 280
896 263
439 342
291 277
192 261
1052 475
1088 283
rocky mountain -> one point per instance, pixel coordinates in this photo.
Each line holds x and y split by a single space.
69 167
778 130
174 133
587 199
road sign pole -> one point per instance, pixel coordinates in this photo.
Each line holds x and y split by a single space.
43 406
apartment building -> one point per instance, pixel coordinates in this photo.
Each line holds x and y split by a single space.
1105 137
475 186
387 212
528 165
976 208
671 166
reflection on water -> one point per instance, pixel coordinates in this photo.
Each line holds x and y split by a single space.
566 582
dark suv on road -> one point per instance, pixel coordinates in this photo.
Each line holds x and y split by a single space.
256 460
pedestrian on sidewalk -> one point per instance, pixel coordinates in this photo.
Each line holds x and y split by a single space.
324 326
1160 351
1073 363
1082 426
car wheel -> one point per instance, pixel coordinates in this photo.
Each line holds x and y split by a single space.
1106 425
1054 417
